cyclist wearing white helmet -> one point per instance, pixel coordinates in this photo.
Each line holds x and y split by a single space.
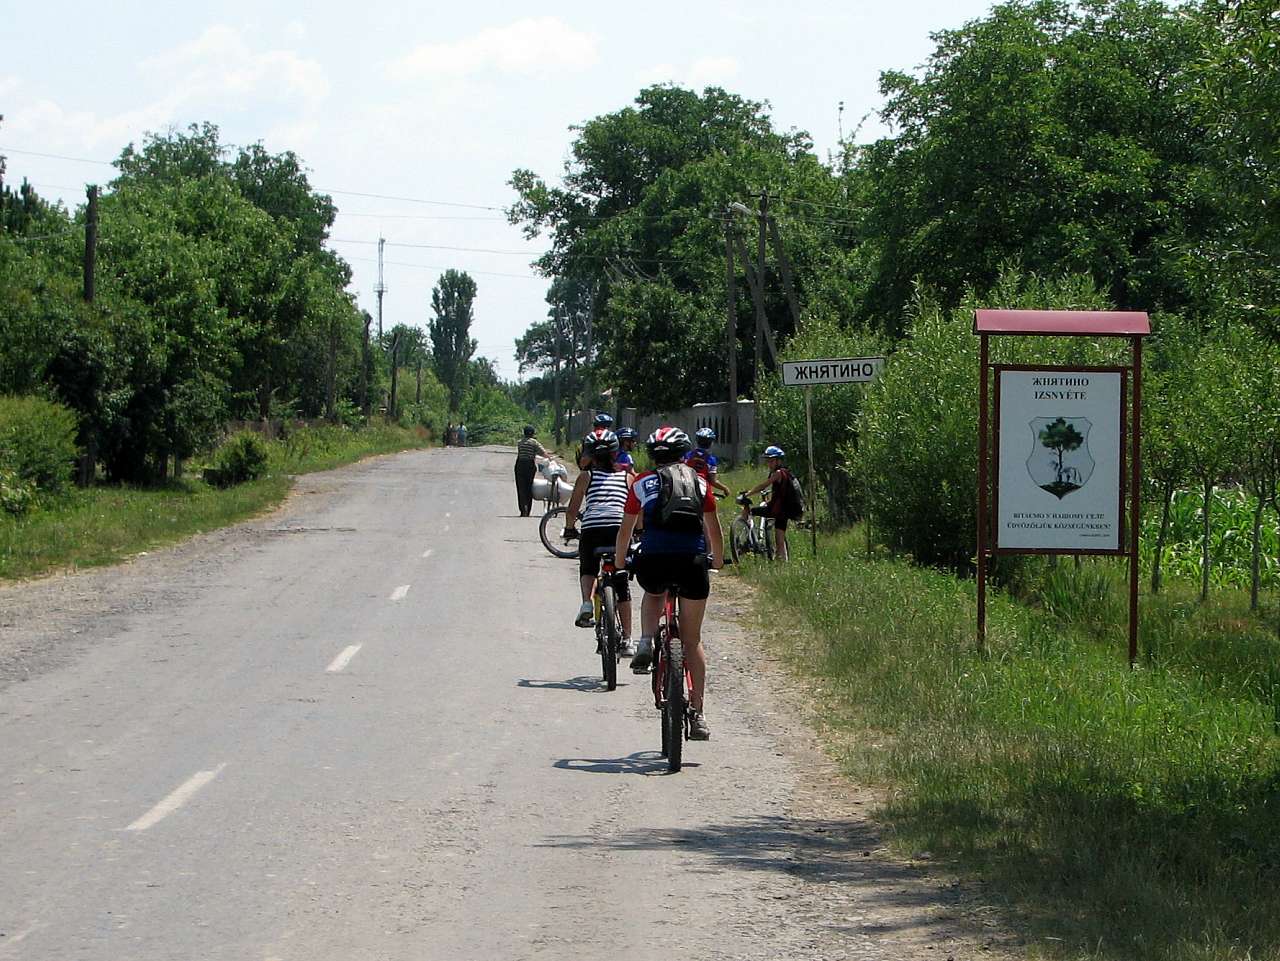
703 461
600 493
673 552
602 422
779 480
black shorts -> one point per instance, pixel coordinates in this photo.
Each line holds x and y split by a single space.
685 573
764 511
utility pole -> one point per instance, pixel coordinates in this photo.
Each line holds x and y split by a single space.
381 288
364 368
395 372
731 329
555 341
760 320
90 243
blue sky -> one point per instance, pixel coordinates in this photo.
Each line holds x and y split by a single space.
429 101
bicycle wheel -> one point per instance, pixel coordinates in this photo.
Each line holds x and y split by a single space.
739 539
766 534
609 638
656 681
674 707
549 530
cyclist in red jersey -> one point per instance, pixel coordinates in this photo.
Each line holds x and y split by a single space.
671 556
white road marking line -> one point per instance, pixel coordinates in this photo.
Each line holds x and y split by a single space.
175 800
343 659
399 593
427 552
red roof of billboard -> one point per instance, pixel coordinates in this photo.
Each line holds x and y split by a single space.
1069 323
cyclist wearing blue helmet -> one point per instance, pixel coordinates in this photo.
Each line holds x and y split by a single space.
627 440
703 461
779 482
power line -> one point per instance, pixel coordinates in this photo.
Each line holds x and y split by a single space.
55 156
487 273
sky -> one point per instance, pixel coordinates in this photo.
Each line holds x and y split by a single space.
430 106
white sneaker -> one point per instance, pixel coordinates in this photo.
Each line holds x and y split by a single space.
643 655
626 647
586 615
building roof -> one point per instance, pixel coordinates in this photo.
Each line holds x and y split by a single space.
1068 323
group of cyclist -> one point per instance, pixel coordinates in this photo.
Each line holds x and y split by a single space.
612 503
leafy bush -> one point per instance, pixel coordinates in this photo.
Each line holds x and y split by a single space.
16 497
38 442
243 457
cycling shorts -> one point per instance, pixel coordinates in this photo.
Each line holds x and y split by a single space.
686 574
764 510
589 538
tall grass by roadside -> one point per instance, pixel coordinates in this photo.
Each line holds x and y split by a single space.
1118 813
101 525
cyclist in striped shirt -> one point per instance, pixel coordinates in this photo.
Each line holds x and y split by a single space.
599 495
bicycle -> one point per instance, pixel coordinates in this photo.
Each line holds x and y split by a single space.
671 681
554 542
608 620
750 533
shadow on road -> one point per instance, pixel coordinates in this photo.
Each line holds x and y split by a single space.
587 684
641 762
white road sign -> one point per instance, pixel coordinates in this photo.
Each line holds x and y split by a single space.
838 370
1060 440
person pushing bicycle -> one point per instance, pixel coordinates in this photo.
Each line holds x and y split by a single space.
680 525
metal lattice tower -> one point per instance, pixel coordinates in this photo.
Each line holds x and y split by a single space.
381 288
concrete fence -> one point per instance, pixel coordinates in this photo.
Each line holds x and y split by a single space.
733 427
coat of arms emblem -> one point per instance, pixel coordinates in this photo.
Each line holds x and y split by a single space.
1060 462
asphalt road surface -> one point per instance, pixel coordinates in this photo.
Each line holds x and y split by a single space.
364 727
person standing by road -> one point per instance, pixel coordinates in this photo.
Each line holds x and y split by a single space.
462 435
779 482
527 453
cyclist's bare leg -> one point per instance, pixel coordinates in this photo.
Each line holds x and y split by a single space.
624 612
691 614
588 586
650 611
780 544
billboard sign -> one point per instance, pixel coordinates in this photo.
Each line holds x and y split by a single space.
1059 470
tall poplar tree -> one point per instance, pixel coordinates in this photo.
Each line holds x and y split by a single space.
452 301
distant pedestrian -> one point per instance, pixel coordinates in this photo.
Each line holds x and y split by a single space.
527 453
448 436
462 435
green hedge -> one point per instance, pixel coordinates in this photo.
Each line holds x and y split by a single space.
37 443
243 457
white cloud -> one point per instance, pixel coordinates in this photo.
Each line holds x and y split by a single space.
703 72
526 46
9 84
221 64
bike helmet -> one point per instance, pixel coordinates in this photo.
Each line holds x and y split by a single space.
627 433
600 440
528 431
773 450
705 436
603 420
668 443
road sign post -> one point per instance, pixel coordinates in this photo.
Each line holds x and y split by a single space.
807 374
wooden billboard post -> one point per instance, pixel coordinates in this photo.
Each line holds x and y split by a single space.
1030 515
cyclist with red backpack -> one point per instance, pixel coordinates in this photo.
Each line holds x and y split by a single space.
680 527
786 502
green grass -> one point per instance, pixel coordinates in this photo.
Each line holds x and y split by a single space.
1114 813
105 524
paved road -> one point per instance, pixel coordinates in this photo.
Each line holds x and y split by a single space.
365 728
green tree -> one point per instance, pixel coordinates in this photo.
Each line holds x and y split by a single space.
452 303
1060 134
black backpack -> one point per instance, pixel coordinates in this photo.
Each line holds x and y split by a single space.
793 498
679 506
